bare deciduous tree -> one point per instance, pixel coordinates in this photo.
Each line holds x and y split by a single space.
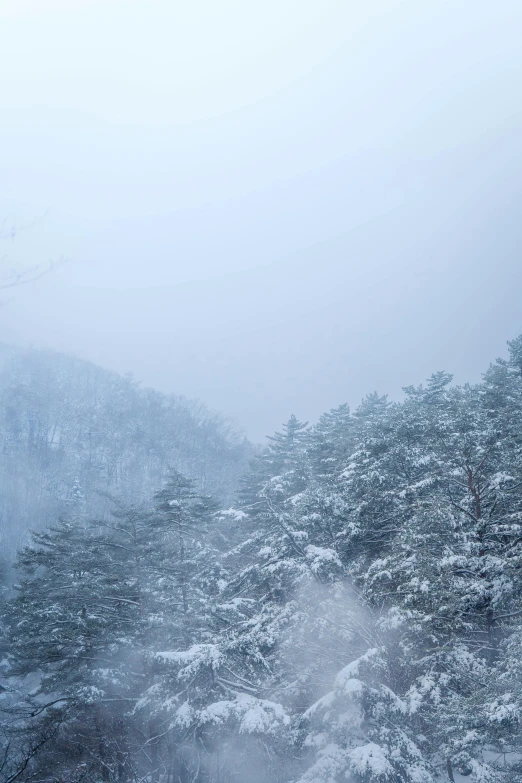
14 275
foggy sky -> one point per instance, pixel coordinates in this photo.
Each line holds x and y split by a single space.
275 207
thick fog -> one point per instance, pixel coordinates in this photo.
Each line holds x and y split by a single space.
274 207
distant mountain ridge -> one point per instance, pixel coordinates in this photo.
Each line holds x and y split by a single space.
72 433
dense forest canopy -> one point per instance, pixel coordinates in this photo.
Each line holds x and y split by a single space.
72 434
354 615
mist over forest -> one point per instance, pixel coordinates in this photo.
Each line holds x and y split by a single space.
347 607
75 438
260 391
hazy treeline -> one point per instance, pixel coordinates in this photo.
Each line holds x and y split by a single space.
71 432
354 617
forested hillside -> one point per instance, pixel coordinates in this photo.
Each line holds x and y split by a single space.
354 617
71 433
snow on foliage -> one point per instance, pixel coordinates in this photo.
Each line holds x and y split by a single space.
354 618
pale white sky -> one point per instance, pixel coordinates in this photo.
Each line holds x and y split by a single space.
275 207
